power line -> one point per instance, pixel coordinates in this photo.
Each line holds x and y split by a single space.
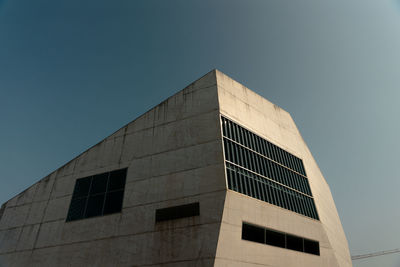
375 254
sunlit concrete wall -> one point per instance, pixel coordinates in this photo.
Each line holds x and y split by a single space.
276 125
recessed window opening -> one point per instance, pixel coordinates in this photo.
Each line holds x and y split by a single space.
178 212
274 238
97 195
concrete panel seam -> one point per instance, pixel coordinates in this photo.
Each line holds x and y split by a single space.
181 261
113 237
26 218
172 173
249 262
171 199
44 214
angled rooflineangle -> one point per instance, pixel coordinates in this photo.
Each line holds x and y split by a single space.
215 175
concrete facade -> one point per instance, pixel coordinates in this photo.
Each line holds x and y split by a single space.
174 155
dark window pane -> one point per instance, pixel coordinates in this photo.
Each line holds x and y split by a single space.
271 237
294 242
275 238
113 202
234 181
117 180
240 183
95 206
311 247
82 186
223 126
99 183
177 212
302 170
76 209
253 233
228 173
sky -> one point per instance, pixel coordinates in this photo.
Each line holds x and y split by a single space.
73 72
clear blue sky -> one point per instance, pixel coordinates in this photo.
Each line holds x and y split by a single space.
72 72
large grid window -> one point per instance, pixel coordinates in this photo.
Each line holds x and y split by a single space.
97 195
274 238
260 169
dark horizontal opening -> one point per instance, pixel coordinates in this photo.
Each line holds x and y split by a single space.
253 233
294 243
178 212
278 239
311 247
274 238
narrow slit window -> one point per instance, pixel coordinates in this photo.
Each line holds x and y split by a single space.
178 212
262 235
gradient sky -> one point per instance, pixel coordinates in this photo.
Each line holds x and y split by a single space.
72 72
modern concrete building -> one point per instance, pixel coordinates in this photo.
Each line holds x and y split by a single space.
215 175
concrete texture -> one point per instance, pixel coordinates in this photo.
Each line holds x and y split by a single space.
174 156
276 125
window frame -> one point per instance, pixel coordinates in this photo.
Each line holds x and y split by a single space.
114 195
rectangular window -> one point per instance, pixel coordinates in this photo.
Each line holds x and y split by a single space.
294 242
311 247
178 212
97 195
274 238
271 170
253 233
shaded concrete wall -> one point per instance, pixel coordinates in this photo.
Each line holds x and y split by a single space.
174 156
276 125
